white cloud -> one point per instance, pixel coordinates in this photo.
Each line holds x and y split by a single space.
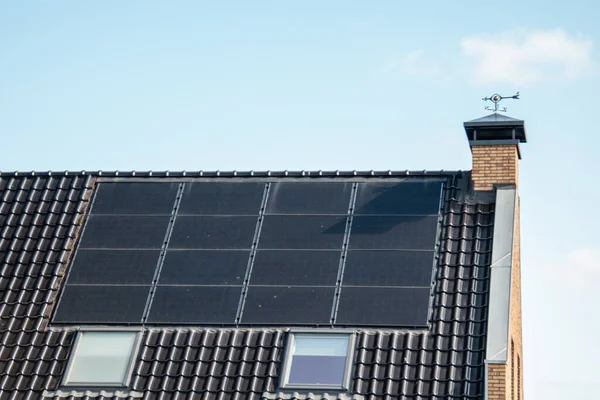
522 57
580 267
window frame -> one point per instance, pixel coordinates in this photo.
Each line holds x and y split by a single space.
80 332
289 356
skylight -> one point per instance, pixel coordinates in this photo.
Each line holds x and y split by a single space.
318 361
101 358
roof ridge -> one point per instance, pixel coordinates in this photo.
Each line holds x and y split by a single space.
234 173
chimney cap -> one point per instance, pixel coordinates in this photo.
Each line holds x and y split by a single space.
496 127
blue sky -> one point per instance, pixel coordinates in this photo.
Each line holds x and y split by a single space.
189 85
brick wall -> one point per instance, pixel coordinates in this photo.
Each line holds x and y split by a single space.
494 164
497 381
515 320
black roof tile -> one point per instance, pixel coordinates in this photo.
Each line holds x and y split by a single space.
40 217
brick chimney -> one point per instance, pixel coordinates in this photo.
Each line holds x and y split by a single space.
494 141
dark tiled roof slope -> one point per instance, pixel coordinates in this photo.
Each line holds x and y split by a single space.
39 219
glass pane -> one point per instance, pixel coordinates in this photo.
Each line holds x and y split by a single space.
318 360
102 358
319 345
317 370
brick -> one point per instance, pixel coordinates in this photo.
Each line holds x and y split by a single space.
494 164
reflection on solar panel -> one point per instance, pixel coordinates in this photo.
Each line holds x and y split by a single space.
311 252
309 198
410 198
393 232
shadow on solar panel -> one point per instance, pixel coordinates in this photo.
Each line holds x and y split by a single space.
410 198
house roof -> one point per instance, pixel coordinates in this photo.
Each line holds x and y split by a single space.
40 218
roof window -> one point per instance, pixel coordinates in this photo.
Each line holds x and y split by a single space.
101 358
318 361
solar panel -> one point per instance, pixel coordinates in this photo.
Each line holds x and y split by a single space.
230 198
393 232
302 232
204 267
383 306
114 267
102 304
213 232
398 198
305 267
123 232
309 198
296 257
281 305
388 268
195 304
135 198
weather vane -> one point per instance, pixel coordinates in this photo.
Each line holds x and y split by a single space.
496 99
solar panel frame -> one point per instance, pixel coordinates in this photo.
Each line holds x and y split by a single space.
124 232
384 306
398 198
388 268
309 198
139 198
110 304
191 305
216 232
210 198
295 267
385 232
261 305
204 267
317 232
110 266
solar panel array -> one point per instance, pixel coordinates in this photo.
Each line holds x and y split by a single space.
315 253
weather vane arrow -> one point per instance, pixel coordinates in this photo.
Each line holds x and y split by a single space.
496 99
